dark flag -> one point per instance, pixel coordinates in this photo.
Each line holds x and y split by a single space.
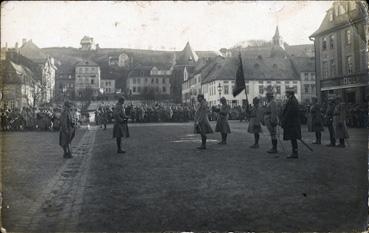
240 79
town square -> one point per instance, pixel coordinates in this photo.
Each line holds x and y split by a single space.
184 116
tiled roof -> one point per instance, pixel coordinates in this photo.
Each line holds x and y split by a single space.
87 63
304 64
304 50
32 52
15 77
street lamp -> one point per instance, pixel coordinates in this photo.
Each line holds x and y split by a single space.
220 91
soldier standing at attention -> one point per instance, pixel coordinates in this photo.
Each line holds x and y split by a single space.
222 125
329 119
291 121
316 121
120 128
255 116
271 120
202 125
67 130
339 121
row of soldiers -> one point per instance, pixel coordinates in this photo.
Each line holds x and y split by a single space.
274 116
145 113
28 119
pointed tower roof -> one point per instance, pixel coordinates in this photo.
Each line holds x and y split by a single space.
188 55
276 34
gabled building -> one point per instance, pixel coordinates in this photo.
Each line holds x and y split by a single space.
18 86
265 66
46 66
341 52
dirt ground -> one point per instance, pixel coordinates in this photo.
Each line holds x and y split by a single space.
163 183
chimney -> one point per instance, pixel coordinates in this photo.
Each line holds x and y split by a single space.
24 41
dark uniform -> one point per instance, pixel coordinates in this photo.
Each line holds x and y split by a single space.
291 122
222 125
120 128
329 120
202 125
271 121
67 130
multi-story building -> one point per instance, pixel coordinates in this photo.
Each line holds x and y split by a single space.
341 53
108 86
18 87
266 66
305 66
87 79
149 82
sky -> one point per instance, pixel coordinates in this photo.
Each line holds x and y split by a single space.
164 25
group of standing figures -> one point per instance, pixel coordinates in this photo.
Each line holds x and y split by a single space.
270 116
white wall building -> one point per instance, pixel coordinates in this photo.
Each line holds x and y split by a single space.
87 78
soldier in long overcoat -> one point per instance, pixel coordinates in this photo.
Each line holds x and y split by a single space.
202 125
290 121
271 120
329 114
339 122
120 128
222 125
67 130
316 120
255 115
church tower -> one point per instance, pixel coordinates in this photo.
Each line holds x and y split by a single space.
277 39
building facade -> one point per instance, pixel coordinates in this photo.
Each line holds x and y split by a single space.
147 82
342 53
87 79
305 66
108 86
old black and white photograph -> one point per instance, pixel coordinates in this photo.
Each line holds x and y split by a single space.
184 116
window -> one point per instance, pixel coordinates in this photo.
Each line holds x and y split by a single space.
269 82
138 89
325 70
134 89
294 82
306 88
225 82
312 88
306 76
331 41
81 70
261 90
324 43
278 90
92 68
164 89
226 89
348 37
142 73
152 80
333 68
278 82
163 80
86 69
156 80
349 64
260 82
138 81
92 81
145 80
134 81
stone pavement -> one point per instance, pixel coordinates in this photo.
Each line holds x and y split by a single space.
164 183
